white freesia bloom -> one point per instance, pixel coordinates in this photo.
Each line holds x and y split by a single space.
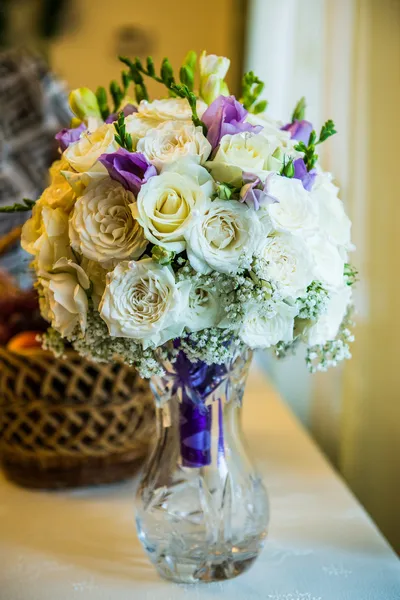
102 227
290 264
204 307
83 154
221 236
243 152
165 207
327 326
173 140
296 212
213 70
333 220
169 109
142 301
64 302
328 261
260 330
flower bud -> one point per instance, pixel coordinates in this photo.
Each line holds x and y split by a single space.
161 255
213 70
84 104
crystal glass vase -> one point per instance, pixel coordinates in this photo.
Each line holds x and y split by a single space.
202 511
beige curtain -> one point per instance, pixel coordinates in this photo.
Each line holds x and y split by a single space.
345 56
370 420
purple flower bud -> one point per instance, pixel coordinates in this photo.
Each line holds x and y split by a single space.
307 178
226 116
131 169
299 130
65 137
254 193
129 109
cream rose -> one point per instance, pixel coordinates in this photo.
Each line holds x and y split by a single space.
48 241
327 326
165 207
173 140
243 152
289 264
263 331
222 236
142 301
64 301
83 154
295 212
102 227
169 109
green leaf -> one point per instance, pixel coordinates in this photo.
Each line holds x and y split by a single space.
300 110
162 256
27 205
327 130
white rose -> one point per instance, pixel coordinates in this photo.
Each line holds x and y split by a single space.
204 308
83 154
332 216
165 206
102 227
169 109
270 128
328 261
327 326
220 237
64 302
296 212
263 331
171 141
243 152
142 301
290 264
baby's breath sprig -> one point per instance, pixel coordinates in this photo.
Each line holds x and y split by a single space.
350 274
122 138
26 205
167 78
252 88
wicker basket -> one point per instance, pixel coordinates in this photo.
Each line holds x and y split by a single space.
69 422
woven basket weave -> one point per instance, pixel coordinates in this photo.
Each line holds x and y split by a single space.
69 422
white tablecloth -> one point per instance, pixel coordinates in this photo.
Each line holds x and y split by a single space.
322 545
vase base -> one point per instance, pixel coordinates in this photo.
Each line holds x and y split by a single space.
216 567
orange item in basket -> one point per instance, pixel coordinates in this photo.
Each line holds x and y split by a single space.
25 342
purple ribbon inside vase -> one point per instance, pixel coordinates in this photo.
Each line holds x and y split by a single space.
197 381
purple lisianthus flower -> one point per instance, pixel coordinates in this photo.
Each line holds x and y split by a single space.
131 169
299 130
307 178
226 116
254 193
129 109
65 137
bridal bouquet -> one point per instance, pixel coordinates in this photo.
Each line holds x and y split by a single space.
193 218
